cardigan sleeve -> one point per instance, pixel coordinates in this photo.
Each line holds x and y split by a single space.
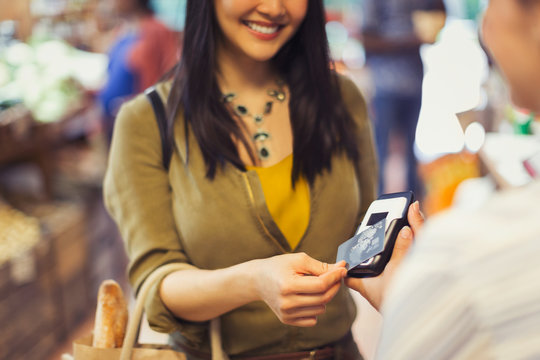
367 166
138 197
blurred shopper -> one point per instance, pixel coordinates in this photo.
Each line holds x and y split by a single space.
392 33
143 51
470 287
273 167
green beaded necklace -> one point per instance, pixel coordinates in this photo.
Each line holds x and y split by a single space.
260 136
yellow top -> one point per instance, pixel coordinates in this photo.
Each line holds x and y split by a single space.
289 208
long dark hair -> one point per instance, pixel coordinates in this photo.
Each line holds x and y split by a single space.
320 122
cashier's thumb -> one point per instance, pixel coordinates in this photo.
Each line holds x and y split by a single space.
403 243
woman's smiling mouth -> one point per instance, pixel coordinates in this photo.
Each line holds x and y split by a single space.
265 31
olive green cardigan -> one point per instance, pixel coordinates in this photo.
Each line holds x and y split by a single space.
181 216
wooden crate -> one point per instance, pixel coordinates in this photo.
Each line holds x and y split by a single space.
70 246
29 309
70 243
65 226
5 283
80 248
107 255
46 343
74 300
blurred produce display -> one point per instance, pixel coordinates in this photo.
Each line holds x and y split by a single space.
48 77
442 177
18 233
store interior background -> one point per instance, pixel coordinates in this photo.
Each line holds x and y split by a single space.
57 243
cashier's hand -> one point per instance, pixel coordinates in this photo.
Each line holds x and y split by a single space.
297 287
374 289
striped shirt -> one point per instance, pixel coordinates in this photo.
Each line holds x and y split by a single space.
470 287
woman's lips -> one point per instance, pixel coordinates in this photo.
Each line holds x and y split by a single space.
263 31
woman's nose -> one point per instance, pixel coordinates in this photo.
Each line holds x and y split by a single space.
272 8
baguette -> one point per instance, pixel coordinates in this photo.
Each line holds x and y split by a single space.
111 316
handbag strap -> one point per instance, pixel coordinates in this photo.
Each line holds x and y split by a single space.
161 119
135 319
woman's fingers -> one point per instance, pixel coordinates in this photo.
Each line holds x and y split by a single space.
311 276
307 311
306 265
298 287
302 322
310 300
306 284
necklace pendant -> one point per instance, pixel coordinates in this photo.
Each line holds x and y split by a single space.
279 95
261 135
258 119
229 97
264 153
241 110
268 107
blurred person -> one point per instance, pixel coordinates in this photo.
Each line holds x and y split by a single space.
101 28
273 167
392 40
469 287
144 49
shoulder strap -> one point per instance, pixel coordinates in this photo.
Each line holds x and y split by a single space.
161 118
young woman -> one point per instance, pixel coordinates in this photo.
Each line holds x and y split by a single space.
273 168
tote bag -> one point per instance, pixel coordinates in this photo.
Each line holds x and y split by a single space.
131 349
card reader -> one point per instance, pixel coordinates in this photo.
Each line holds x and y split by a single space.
370 249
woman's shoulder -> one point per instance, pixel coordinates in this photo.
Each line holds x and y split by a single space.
349 89
137 114
352 98
139 106
163 88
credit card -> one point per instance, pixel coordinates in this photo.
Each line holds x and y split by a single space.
363 246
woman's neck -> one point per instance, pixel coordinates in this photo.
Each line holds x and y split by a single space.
242 74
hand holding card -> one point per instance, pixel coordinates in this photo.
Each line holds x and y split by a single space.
296 286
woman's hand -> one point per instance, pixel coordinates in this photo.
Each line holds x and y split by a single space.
297 287
373 289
